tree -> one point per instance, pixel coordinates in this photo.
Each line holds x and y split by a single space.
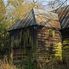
2 10
3 26
21 7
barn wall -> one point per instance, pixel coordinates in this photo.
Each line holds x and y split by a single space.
35 48
49 46
23 46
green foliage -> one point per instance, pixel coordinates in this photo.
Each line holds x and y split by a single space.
3 27
2 10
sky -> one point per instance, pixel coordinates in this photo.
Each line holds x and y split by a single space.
44 2
5 1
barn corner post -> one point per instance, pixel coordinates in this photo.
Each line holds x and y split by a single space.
35 45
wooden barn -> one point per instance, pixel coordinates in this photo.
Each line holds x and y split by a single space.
35 40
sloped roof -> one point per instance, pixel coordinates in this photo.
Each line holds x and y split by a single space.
46 18
38 17
63 13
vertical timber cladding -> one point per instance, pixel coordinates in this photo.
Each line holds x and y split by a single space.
48 40
23 49
29 47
